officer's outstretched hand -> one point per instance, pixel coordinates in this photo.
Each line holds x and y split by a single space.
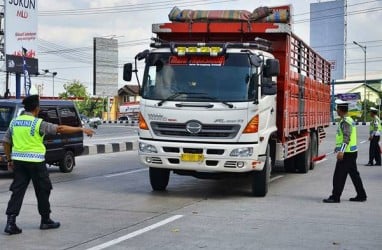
89 132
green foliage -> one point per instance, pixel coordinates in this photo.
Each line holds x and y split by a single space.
86 105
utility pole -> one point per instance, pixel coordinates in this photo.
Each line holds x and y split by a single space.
364 96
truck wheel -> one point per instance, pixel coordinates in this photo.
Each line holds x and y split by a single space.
314 148
159 178
303 160
289 165
260 179
67 163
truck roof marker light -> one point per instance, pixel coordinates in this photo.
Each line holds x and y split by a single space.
141 122
252 126
181 51
204 49
214 51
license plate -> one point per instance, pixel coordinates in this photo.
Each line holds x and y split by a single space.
192 157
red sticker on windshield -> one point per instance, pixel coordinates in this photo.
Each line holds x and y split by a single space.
197 60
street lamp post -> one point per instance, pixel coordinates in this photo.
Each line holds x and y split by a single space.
46 71
364 87
53 75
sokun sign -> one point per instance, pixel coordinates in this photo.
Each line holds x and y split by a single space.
21 32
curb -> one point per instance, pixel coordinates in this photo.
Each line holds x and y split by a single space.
122 122
356 123
109 148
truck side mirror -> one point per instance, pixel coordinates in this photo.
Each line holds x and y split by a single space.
127 71
142 55
272 68
255 60
268 87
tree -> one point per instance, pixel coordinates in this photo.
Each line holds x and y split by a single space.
75 89
85 104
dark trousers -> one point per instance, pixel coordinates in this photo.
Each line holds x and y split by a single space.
375 151
23 173
344 167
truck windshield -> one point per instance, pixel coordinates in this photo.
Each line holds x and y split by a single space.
6 115
199 78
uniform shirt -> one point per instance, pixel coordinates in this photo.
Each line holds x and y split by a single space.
346 130
46 128
374 131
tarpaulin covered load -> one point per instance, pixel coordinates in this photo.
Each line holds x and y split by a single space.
280 14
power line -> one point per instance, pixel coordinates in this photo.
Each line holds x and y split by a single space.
130 7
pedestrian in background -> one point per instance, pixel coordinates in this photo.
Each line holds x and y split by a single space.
25 152
346 148
375 134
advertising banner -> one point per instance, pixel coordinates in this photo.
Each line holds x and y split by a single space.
21 32
355 105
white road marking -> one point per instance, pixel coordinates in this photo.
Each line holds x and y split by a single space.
136 233
276 178
126 173
362 142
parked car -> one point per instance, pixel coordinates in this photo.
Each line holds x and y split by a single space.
61 149
94 122
124 118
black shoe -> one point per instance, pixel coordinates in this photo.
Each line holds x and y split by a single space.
378 164
12 228
331 200
369 164
357 198
49 224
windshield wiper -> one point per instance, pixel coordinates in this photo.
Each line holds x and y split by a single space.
172 97
214 99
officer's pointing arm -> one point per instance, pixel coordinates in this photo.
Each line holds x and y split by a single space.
64 129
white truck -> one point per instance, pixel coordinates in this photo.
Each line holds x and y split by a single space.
230 97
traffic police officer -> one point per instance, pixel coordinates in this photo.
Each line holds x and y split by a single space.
25 152
375 130
346 148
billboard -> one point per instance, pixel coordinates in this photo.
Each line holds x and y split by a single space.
327 34
105 68
355 105
20 29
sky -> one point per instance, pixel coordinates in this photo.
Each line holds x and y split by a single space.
66 30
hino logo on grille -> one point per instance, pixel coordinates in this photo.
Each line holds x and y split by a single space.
193 127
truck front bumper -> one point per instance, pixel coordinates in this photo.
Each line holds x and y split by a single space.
202 157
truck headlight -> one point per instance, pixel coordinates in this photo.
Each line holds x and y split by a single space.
242 152
147 148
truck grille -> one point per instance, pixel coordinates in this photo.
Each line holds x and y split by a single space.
207 131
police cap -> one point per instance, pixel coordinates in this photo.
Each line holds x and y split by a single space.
31 102
373 110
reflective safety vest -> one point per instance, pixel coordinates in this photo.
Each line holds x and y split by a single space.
375 125
27 143
352 146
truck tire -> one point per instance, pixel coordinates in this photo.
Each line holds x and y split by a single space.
260 179
314 148
67 163
303 160
289 165
159 178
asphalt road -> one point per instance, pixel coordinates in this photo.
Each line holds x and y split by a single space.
107 203
112 133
